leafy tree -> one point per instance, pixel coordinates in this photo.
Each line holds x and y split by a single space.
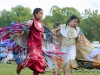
21 13
18 13
58 14
91 24
4 18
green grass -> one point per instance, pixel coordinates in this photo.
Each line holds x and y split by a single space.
10 69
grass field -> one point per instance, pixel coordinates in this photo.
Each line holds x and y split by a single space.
10 69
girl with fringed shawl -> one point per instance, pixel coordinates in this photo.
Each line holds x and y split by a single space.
35 60
71 38
66 37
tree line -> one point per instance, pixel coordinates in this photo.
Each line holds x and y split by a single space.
89 19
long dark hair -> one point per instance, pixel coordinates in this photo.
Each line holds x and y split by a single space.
36 10
72 18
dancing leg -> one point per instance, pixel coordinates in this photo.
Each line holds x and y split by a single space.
35 73
19 68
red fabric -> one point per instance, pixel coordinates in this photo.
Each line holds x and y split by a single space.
36 60
35 36
5 37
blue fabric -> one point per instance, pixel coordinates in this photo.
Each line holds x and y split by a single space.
81 32
19 61
49 35
15 56
4 54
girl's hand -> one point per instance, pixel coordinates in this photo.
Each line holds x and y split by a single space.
58 28
29 23
55 30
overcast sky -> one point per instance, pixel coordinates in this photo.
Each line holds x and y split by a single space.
80 5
